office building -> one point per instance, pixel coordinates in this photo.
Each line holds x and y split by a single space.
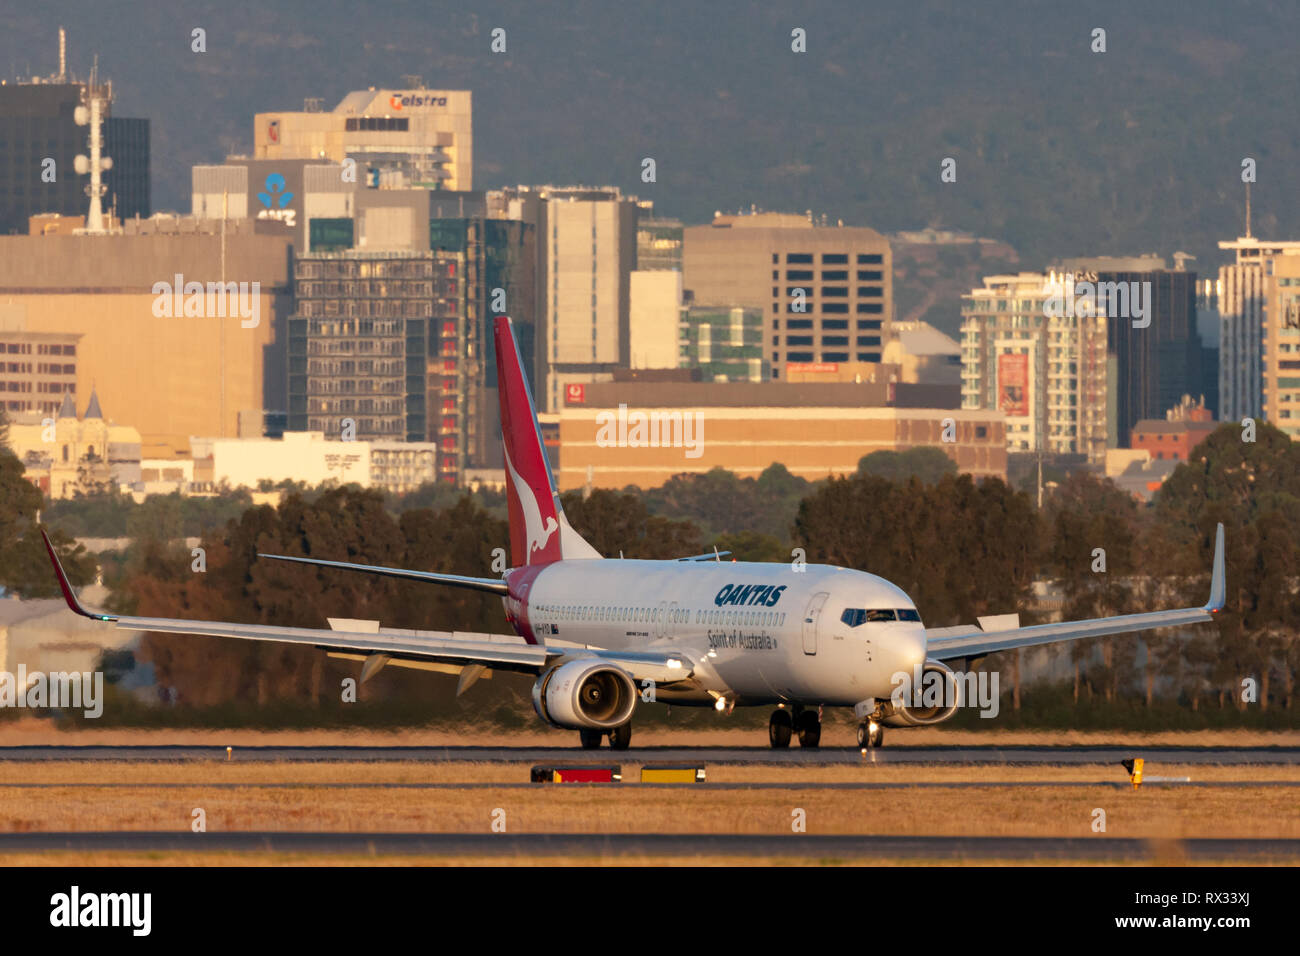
374 343
644 432
724 344
37 369
417 138
826 291
38 123
140 331
586 249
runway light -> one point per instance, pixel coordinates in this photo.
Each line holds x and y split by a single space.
227 753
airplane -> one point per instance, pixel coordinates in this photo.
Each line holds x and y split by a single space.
602 635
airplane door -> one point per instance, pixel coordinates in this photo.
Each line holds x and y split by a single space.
671 629
810 619
661 620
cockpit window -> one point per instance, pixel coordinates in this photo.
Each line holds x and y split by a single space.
856 616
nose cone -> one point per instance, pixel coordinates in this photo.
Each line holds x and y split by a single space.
905 649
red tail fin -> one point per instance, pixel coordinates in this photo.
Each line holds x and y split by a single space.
539 532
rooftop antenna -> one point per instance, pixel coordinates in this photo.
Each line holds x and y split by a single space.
91 114
63 55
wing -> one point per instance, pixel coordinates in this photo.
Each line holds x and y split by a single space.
365 640
492 585
950 643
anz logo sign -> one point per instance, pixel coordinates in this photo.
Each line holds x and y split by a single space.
274 198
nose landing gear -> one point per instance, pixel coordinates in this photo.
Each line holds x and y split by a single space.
870 734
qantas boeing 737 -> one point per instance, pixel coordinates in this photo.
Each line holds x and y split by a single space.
602 635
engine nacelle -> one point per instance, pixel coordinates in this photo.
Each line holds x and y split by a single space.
586 694
928 696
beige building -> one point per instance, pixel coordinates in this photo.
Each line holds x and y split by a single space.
1246 289
634 433
655 313
190 372
827 292
395 466
36 368
407 137
1281 360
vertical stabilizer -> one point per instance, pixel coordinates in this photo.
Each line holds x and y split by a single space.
539 532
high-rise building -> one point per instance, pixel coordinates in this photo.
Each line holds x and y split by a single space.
40 140
1158 357
374 344
417 138
1244 291
500 278
586 249
1281 341
1046 371
827 291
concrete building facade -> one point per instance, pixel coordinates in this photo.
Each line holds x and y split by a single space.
118 294
643 433
827 292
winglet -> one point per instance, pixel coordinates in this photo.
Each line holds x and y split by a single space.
1218 586
73 604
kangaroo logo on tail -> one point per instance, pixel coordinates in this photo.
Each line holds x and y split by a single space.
539 532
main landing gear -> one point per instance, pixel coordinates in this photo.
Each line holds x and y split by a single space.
782 725
620 738
870 734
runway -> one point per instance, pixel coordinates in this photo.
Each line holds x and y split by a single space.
758 756
822 847
792 785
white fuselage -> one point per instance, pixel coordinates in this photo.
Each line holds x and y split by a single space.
757 633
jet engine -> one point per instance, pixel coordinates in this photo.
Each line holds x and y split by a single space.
928 696
585 694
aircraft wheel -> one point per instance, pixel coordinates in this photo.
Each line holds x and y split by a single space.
870 734
779 727
810 730
620 738
590 739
